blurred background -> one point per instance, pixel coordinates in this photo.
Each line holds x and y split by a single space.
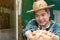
7 20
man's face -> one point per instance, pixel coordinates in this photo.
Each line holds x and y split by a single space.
42 17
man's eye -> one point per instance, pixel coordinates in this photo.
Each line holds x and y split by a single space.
42 14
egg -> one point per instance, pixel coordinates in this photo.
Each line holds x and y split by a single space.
33 33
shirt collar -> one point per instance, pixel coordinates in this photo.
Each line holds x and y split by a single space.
44 28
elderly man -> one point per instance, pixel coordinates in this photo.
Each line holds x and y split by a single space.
42 20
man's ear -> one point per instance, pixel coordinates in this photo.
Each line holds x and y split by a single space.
49 13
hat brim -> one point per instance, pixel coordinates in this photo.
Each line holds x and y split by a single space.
40 8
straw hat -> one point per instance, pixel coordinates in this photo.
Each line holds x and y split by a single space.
38 5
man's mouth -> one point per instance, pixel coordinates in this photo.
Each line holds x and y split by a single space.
41 22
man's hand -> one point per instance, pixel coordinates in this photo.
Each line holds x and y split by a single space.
28 33
56 37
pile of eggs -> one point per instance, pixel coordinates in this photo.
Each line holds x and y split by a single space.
39 35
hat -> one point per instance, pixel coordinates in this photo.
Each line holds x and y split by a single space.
38 5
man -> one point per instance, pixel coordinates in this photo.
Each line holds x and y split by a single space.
42 20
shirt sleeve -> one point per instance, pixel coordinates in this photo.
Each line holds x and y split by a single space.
57 30
28 26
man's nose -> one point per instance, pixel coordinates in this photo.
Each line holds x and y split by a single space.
40 17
